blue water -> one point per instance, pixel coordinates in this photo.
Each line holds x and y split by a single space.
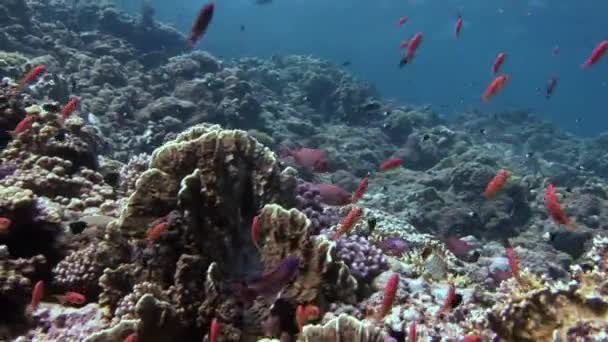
449 74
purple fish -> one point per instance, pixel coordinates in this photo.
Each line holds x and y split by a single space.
394 246
271 282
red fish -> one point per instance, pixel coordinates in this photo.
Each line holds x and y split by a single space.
390 291
311 158
412 46
332 194
305 313
500 58
471 338
37 294
403 44
457 27
156 230
402 20
412 334
494 86
596 54
348 222
32 75
214 330
69 108
554 209
360 190
449 299
131 338
497 183
512 259
24 124
71 298
200 24
255 232
300 317
390 164
551 84
457 246
5 224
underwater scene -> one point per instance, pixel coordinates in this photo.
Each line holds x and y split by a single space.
290 170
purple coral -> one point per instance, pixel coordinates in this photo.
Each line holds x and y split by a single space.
309 202
364 260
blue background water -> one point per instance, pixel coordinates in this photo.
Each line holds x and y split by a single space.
447 73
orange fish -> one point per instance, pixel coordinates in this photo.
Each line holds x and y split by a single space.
349 221
24 124
412 333
360 190
32 75
390 164
156 230
131 338
554 209
71 298
512 259
37 294
390 291
497 183
69 108
255 232
494 86
5 223
214 330
449 299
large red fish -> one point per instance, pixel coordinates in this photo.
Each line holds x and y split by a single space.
412 46
500 58
311 158
332 194
69 108
390 163
390 292
32 75
494 86
360 190
497 183
347 223
37 294
200 24
554 209
596 54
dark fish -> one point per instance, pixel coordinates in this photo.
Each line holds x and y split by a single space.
272 282
426 137
482 131
242 28
551 83
200 24
346 63
371 224
529 155
263 2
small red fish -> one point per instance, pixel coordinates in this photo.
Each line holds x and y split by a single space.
471 338
596 54
348 223
551 84
412 334
71 298
24 124
554 209
32 75
449 299
156 230
412 46
255 232
131 338
69 107
214 330
500 58
360 190
457 27
402 20
512 259
332 194
390 164
311 158
5 224
497 183
390 291
200 24
494 86
37 294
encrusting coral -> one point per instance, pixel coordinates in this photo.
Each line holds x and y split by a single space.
343 328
